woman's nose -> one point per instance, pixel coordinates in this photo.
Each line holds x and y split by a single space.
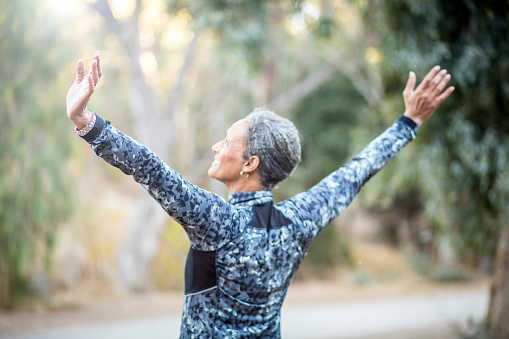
215 147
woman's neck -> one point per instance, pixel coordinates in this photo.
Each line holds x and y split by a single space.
249 184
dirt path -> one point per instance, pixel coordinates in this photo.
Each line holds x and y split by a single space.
427 315
402 310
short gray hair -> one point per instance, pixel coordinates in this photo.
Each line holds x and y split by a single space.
275 141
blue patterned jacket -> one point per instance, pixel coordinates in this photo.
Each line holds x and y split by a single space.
244 251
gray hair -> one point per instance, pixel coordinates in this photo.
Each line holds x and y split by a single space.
275 141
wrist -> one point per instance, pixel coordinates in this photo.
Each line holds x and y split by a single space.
88 127
83 119
413 118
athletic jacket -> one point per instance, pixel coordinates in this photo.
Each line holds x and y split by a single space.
244 251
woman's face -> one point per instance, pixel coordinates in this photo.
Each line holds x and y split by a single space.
229 154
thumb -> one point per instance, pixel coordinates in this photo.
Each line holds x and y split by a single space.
80 71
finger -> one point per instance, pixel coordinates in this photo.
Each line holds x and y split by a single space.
90 70
410 85
445 95
91 85
86 89
80 71
437 79
98 58
94 73
425 82
441 85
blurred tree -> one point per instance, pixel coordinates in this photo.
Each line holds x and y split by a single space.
34 185
290 48
464 163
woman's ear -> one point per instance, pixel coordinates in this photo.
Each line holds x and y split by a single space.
251 164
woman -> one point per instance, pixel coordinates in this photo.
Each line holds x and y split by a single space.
245 251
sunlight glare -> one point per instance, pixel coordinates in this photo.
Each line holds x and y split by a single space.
177 33
298 22
148 63
311 12
122 9
62 9
373 56
146 36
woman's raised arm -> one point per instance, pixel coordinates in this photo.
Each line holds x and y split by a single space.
205 216
330 197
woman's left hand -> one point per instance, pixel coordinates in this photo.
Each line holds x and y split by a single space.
81 90
421 103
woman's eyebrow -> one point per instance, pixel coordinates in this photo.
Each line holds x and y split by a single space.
227 137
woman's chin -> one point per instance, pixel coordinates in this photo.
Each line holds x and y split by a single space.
210 172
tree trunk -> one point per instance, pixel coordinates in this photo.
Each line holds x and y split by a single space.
364 80
446 255
404 234
498 312
141 245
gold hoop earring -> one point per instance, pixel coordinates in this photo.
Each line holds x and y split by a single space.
242 174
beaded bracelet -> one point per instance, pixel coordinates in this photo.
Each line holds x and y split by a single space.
88 127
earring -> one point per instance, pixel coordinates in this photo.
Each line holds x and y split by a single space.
242 174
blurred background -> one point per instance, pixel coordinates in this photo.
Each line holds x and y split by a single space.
178 73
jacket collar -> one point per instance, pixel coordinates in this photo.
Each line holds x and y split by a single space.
250 198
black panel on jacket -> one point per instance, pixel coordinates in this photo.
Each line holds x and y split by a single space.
267 216
200 272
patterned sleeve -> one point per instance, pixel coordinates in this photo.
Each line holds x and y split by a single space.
325 201
205 216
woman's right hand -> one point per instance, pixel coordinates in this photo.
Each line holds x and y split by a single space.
422 102
80 92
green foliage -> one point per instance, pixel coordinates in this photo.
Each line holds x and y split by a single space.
474 329
425 267
329 250
363 278
462 155
240 26
325 120
34 192
244 29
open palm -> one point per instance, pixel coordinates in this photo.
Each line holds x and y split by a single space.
422 102
80 92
